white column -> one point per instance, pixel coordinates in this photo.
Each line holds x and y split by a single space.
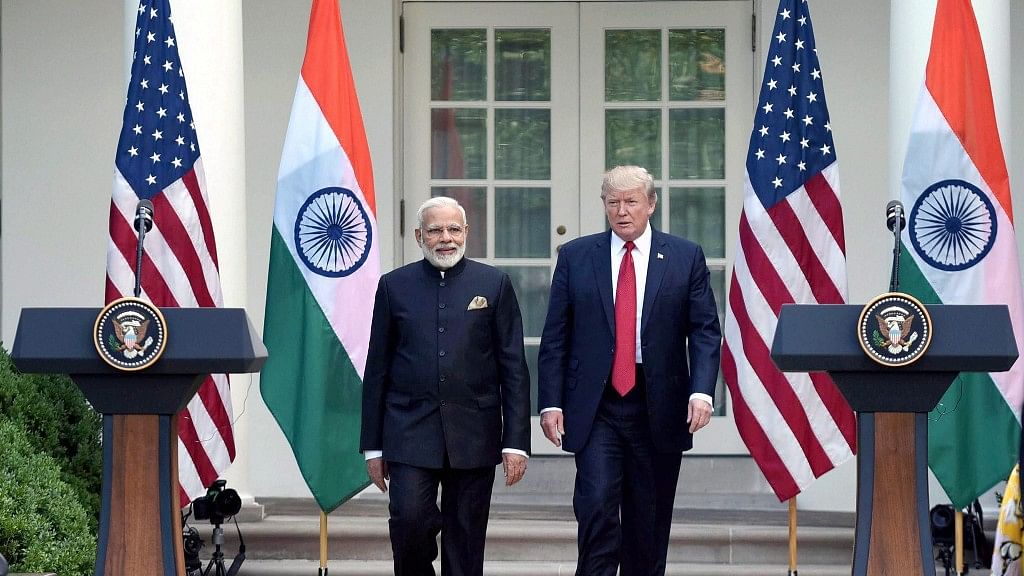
209 36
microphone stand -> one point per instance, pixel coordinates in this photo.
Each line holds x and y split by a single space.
894 280
138 260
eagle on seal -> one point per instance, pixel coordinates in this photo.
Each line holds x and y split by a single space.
896 329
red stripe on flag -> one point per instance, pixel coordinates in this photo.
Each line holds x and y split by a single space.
767 278
126 241
829 209
192 185
180 243
837 406
793 234
760 446
193 444
210 396
778 387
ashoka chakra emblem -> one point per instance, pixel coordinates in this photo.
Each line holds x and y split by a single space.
332 232
953 225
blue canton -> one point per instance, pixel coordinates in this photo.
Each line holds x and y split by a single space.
792 137
158 140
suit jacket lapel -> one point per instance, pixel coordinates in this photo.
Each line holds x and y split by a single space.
602 262
655 273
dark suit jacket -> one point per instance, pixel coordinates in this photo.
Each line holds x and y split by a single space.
440 378
679 333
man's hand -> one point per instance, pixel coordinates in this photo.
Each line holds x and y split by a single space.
515 467
698 414
552 424
378 471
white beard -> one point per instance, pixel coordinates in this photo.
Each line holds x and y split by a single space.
443 262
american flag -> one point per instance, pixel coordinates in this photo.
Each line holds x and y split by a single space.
158 159
791 249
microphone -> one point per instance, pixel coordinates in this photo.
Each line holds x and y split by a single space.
893 213
143 223
144 216
895 222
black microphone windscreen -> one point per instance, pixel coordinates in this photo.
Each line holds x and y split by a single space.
894 211
144 214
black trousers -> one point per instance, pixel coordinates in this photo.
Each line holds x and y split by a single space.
624 492
461 520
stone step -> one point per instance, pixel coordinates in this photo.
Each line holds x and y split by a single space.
547 534
523 568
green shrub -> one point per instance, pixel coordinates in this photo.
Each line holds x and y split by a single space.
43 525
59 422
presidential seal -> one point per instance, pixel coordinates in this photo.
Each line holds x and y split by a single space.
130 334
894 329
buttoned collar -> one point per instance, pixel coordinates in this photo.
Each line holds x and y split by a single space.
642 243
429 269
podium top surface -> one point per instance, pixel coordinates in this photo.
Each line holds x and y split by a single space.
199 341
823 337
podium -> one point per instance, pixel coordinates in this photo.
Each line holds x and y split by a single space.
893 532
140 520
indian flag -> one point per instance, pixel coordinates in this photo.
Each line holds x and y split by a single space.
324 267
960 248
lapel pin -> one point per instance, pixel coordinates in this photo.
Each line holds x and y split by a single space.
661 256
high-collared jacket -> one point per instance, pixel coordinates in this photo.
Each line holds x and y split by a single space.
446 372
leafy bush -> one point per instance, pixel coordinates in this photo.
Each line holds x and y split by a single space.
59 422
43 525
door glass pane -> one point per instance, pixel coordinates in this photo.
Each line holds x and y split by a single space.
531 285
632 65
718 287
522 65
474 200
697 143
633 137
696 64
522 219
699 214
532 354
458 64
522 144
458 143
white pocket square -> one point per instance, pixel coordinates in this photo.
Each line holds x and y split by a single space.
477 303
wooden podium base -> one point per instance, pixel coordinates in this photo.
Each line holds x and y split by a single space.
893 534
140 518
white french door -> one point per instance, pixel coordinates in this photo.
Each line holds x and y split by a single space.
517 108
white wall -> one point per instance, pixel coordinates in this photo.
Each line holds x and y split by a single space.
63 96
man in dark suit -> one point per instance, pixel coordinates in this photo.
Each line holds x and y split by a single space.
445 396
628 363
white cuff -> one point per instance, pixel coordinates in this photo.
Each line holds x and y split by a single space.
704 397
514 451
371 454
551 409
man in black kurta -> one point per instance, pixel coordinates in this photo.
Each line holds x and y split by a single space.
445 396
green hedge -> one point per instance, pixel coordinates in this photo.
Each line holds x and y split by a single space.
43 525
59 422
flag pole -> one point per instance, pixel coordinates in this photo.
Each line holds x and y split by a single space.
323 544
792 536
958 546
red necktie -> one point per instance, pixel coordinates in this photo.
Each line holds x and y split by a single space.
624 363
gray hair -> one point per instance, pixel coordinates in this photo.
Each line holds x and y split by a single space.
439 202
623 178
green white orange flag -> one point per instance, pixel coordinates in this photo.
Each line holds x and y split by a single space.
960 248
324 267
